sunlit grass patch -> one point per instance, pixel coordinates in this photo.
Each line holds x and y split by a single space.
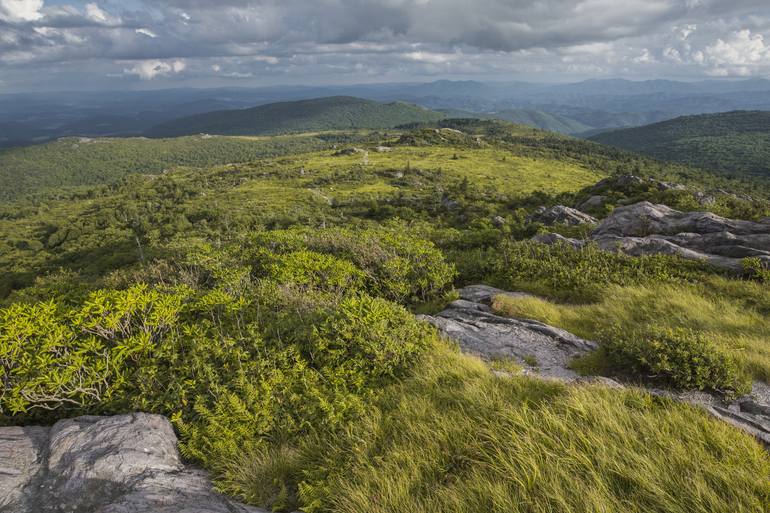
456 438
734 327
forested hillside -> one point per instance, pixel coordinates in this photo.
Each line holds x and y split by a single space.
334 113
543 120
84 161
734 143
267 305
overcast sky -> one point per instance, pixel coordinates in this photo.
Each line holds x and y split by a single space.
72 44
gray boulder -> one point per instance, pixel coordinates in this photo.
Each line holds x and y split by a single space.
555 238
618 182
561 215
121 464
595 201
643 219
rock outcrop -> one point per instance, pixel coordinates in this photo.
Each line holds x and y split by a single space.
645 228
561 215
121 464
546 351
541 349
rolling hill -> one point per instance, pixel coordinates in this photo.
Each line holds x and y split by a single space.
732 142
332 113
543 121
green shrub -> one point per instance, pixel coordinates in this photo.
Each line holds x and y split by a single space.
683 358
755 270
577 275
309 269
396 266
53 358
277 393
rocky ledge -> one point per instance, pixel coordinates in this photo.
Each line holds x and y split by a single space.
546 351
645 228
121 464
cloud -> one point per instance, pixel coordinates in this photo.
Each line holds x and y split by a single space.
146 32
20 10
741 48
150 69
337 40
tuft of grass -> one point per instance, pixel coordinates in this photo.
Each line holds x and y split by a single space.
506 365
455 438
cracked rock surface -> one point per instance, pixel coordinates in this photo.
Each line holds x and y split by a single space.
645 228
120 464
540 348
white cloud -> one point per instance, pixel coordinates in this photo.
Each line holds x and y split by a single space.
94 13
673 54
20 10
147 70
146 32
741 48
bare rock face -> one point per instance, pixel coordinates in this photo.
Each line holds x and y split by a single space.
645 228
561 215
643 219
541 349
595 201
121 464
555 238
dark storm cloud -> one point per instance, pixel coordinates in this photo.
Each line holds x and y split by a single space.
274 40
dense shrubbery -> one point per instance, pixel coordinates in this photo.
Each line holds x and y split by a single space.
242 346
683 358
389 264
562 272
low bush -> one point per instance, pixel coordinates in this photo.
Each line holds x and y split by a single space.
683 358
580 275
396 266
756 270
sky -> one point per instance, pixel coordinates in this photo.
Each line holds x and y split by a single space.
141 44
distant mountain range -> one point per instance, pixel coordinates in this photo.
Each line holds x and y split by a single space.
735 143
332 113
584 107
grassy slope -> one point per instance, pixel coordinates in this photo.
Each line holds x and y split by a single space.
456 438
333 113
732 142
732 314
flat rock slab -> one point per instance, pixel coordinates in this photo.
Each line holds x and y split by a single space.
120 464
540 348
